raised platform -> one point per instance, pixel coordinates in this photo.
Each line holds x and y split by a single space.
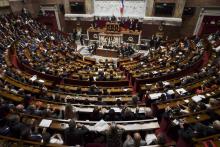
107 53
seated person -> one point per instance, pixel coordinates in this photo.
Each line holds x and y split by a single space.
93 90
212 103
70 112
101 77
114 135
100 102
112 116
147 113
96 114
134 142
74 134
16 127
127 114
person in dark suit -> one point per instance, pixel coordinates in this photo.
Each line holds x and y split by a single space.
93 89
74 34
96 114
100 102
112 116
81 40
16 127
74 135
114 135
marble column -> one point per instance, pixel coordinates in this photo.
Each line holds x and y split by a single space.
67 6
180 4
150 8
89 6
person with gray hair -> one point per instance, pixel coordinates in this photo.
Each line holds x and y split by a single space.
114 135
136 141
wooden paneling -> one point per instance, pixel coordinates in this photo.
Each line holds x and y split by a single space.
147 31
187 28
189 22
202 3
165 1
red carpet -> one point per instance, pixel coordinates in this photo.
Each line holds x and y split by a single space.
14 61
205 58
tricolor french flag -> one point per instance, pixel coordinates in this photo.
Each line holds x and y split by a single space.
122 7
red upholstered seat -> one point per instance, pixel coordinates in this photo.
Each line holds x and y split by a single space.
182 143
95 145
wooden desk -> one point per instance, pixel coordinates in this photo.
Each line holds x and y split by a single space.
195 118
107 52
10 96
136 125
21 142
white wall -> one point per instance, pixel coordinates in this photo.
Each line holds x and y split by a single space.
132 8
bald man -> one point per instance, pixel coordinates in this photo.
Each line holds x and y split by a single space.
136 141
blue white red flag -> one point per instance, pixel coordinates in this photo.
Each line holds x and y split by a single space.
122 7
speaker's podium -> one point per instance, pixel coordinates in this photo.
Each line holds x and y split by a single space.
112 27
112 35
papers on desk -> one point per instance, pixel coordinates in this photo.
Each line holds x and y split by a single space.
155 96
170 92
41 81
86 109
116 109
176 122
207 94
145 126
154 72
186 101
162 47
131 127
141 110
101 126
125 89
165 83
217 49
52 38
181 91
198 98
33 78
45 123
14 91
150 138
100 69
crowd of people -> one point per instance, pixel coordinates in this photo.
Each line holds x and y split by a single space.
15 123
50 52
178 50
124 23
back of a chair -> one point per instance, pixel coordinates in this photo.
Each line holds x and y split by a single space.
95 145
